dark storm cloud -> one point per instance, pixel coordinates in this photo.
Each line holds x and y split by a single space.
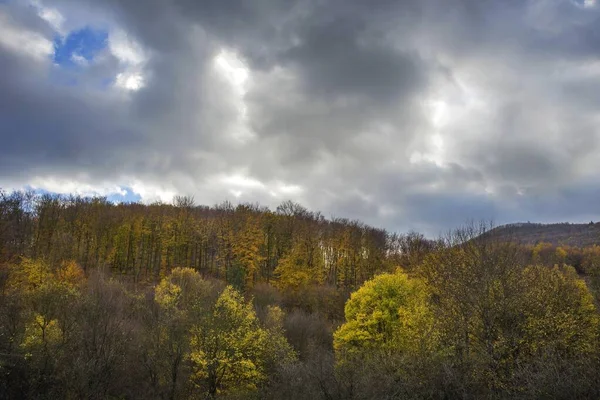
45 125
332 61
412 114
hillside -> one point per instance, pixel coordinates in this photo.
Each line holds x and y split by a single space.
242 245
579 235
101 300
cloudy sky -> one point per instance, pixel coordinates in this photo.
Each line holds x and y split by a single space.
412 114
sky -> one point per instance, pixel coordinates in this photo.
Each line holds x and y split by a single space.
407 115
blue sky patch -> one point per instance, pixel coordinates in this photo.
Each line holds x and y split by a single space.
83 44
129 197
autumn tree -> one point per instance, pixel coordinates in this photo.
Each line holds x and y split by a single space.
230 351
493 311
591 267
46 297
391 312
180 300
560 313
248 242
390 341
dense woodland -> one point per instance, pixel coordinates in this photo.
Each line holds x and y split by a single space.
179 301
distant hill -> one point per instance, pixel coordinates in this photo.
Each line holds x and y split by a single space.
579 235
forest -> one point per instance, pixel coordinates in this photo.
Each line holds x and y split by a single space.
100 300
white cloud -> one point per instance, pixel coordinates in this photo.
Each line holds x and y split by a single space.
74 186
125 49
439 113
132 59
129 81
229 66
23 41
79 59
233 69
241 181
152 192
52 16
289 189
589 3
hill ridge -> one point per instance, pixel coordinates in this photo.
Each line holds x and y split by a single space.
561 233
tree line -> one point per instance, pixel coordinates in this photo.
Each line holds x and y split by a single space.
242 245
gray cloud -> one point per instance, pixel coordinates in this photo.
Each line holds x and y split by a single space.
414 114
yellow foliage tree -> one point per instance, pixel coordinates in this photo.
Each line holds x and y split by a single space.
301 266
561 255
183 290
391 312
183 297
229 348
560 313
71 274
246 249
40 333
29 274
49 297
498 317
